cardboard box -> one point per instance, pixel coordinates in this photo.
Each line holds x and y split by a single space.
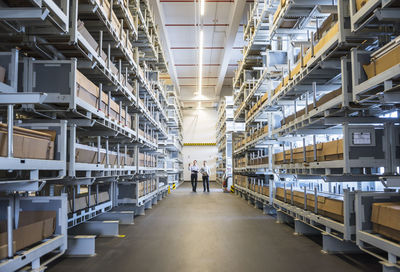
360 4
85 156
295 70
2 74
327 151
34 226
90 93
265 190
278 88
329 207
386 219
383 63
141 189
28 143
82 200
4 250
324 99
85 33
326 37
276 14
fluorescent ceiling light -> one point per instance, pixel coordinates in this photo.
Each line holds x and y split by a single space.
201 60
202 7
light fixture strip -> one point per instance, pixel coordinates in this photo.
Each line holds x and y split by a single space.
201 40
201 44
202 7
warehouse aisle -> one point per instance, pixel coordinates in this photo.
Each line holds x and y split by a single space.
209 232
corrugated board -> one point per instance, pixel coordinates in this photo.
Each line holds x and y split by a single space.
28 143
34 226
383 63
360 4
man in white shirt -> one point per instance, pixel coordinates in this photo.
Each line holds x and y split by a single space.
193 175
205 172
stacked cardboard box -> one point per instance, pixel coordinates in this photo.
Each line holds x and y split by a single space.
327 206
360 4
141 133
386 219
257 133
28 143
239 144
258 161
265 190
90 93
326 33
33 226
324 99
147 160
89 154
257 105
383 62
148 186
141 188
2 74
85 33
328 151
241 162
82 200
142 159
241 180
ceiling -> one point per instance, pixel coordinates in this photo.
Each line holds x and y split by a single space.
222 25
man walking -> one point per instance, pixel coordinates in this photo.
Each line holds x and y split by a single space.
205 172
193 174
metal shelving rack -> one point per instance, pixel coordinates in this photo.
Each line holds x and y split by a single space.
88 74
226 128
317 124
172 158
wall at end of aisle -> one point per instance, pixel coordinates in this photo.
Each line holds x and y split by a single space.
199 126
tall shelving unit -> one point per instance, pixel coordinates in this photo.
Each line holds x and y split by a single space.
226 129
317 91
172 161
85 117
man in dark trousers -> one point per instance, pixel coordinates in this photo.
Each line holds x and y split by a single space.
205 172
193 174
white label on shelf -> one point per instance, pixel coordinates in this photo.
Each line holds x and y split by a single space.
361 138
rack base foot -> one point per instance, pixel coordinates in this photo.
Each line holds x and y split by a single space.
282 217
301 228
389 267
154 200
269 210
81 246
139 210
124 217
148 205
250 201
331 245
258 204
100 228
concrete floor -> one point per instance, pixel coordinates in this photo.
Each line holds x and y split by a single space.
210 232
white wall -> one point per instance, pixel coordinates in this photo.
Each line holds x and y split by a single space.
199 127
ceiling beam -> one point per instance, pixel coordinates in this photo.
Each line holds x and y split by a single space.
235 18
